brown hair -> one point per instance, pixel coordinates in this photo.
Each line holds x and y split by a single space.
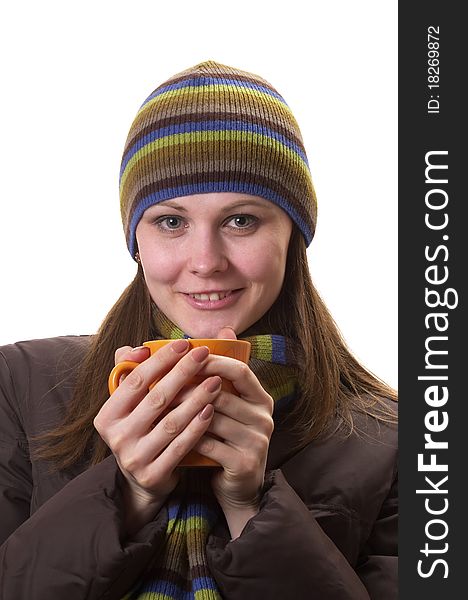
334 385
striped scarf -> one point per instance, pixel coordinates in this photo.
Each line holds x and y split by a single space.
180 569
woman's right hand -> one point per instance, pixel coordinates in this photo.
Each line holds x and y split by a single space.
147 449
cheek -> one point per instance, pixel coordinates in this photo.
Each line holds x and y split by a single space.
265 264
159 267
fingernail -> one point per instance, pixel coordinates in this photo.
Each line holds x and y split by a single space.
207 412
199 354
180 346
137 348
214 384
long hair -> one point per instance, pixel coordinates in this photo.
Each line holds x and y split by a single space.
333 384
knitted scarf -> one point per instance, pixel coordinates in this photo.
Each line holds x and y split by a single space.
180 568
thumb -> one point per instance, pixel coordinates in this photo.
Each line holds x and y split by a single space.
226 333
138 354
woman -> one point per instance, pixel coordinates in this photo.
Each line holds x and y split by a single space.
218 208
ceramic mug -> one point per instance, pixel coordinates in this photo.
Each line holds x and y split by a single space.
238 349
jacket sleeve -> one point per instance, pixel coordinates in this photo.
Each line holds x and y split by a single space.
378 565
283 553
73 546
15 468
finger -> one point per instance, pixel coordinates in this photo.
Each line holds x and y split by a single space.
160 397
241 376
136 384
226 333
253 437
236 407
120 353
170 458
138 354
184 394
174 424
218 451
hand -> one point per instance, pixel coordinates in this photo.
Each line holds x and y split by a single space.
147 443
244 423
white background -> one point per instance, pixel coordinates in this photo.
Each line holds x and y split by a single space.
73 77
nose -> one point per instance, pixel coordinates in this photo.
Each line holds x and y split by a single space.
207 254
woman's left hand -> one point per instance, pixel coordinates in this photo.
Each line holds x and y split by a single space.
244 424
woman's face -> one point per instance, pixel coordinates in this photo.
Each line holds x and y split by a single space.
214 260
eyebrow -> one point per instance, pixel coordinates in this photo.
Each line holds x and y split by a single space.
234 205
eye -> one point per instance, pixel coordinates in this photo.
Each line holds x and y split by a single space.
169 223
242 221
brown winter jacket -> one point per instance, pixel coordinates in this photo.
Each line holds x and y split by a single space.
327 527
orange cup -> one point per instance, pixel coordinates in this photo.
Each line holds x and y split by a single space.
238 349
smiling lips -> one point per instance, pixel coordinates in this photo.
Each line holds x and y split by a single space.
211 295
213 300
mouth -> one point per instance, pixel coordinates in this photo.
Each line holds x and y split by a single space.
212 296
213 299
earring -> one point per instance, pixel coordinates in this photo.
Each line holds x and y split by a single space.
137 257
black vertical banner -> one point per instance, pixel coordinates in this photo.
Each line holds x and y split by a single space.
433 352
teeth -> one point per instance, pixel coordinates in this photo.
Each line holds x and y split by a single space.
212 297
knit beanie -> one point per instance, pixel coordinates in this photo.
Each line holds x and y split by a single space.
214 128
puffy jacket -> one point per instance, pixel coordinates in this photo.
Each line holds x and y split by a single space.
327 527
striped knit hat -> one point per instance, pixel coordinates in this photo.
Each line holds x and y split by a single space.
213 128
